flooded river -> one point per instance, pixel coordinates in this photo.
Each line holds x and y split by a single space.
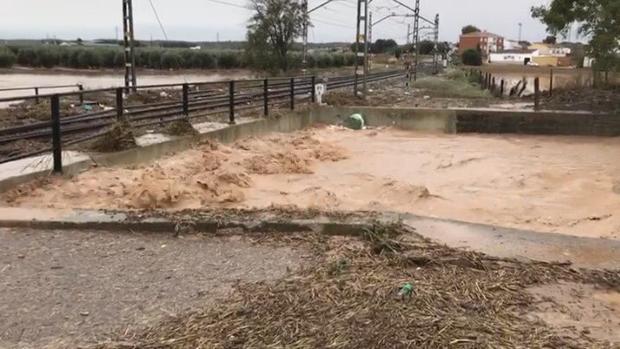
103 80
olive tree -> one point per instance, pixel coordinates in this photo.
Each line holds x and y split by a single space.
273 28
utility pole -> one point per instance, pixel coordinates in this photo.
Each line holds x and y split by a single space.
520 30
370 38
362 20
416 38
436 50
408 34
128 36
304 61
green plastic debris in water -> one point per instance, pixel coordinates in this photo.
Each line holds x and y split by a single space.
355 122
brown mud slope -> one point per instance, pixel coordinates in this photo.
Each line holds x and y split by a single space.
352 298
209 174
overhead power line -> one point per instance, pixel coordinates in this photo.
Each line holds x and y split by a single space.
222 2
161 26
333 23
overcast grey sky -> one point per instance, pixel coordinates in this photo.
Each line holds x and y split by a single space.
195 20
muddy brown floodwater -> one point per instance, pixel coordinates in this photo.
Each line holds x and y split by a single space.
555 184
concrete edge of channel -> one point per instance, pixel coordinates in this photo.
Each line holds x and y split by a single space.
495 241
47 219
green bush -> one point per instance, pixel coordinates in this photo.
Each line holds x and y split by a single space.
171 60
472 57
108 58
154 59
228 60
310 62
88 59
26 56
203 60
349 60
324 61
7 57
47 57
338 60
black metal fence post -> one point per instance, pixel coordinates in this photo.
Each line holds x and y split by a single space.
186 100
536 93
231 96
292 93
266 97
56 141
550 82
81 88
36 92
119 104
313 92
501 88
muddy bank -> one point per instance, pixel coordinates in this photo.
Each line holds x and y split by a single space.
550 184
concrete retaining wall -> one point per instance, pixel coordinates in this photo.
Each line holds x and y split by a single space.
288 123
547 123
480 120
434 120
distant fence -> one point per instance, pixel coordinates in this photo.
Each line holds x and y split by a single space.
179 102
498 84
37 89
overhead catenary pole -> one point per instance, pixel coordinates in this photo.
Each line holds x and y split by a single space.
361 34
416 38
128 39
365 81
408 33
304 61
370 25
436 46
305 25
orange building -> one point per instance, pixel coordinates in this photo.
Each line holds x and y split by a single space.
485 41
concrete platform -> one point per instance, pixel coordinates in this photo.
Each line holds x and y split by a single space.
492 240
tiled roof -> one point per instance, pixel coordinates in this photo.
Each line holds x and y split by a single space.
481 34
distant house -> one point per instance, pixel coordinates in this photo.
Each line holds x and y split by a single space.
517 56
484 41
512 45
195 48
551 50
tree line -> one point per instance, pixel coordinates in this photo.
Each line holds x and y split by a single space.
88 57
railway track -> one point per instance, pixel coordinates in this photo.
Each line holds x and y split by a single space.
202 100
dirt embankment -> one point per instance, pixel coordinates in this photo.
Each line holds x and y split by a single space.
211 173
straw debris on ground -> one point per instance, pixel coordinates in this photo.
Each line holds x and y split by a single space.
120 137
181 127
350 299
